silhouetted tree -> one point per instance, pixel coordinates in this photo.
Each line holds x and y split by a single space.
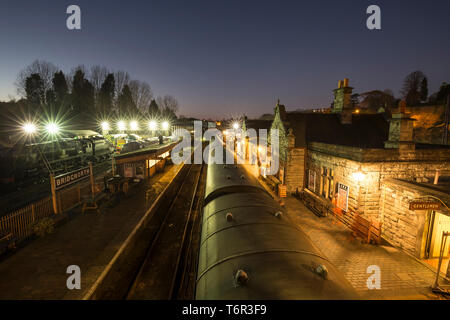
83 99
44 69
125 103
168 106
411 87
142 94
153 109
35 92
106 95
424 89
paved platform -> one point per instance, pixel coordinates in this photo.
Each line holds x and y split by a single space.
402 276
90 240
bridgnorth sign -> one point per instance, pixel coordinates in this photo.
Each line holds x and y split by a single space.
424 205
68 178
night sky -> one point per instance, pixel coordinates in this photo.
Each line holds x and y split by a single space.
223 58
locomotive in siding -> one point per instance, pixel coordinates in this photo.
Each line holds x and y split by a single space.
24 162
250 249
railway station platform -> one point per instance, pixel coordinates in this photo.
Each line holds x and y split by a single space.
402 276
90 241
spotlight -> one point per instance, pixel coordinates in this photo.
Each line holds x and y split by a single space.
134 125
236 125
152 125
105 126
29 128
165 125
52 128
121 125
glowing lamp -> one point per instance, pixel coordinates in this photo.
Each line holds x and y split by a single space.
152 125
236 125
52 128
29 128
105 126
121 125
134 125
165 125
359 176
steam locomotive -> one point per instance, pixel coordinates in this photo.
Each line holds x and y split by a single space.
250 249
31 161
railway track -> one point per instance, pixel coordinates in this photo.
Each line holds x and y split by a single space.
167 270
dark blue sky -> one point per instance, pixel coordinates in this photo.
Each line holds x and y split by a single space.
223 58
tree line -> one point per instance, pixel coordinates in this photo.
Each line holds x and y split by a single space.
414 91
98 92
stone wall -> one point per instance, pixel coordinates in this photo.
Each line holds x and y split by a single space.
295 170
364 195
402 227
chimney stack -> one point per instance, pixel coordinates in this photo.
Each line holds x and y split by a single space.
342 96
401 131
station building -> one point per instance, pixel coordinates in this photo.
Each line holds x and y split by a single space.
367 170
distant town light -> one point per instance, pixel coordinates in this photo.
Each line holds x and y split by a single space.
52 128
121 125
29 128
134 125
152 125
105 126
165 125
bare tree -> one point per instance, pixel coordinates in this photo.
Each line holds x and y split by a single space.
168 105
122 78
45 69
411 87
97 76
142 94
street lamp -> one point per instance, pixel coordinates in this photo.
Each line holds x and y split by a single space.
165 125
52 128
29 128
121 125
134 125
105 126
152 125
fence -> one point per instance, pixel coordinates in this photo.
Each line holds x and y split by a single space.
19 222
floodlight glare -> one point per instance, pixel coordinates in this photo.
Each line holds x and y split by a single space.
236 125
152 125
121 125
134 125
165 125
52 128
105 126
29 128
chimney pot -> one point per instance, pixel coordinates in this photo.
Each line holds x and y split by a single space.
345 82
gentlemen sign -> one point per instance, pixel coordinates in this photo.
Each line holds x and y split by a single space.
424 205
68 178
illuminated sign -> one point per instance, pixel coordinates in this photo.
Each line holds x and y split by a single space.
424 205
66 179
